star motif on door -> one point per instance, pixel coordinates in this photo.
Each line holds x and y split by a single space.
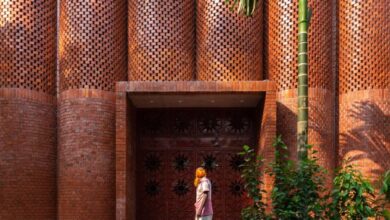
152 188
236 161
181 162
238 124
181 125
209 162
181 188
209 125
152 162
237 188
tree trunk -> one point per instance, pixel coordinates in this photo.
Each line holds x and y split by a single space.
303 66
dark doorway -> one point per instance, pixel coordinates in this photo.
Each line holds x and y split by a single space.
171 143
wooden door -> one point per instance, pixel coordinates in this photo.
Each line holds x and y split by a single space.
173 143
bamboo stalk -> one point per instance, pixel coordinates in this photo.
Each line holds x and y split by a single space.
303 67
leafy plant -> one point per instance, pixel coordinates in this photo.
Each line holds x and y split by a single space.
251 175
385 190
384 197
298 185
246 7
352 197
299 191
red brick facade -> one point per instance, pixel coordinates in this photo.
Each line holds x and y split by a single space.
27 155
364 131
86 174
364 78
68 141
92 58
281 66
28 135
222 54
321 123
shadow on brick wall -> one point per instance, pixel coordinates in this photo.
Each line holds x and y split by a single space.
286 126
320 130
366 141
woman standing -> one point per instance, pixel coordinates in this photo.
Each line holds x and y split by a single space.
203 205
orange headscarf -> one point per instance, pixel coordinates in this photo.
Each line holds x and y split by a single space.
199 174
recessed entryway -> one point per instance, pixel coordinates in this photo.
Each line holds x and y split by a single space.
172 143
165 130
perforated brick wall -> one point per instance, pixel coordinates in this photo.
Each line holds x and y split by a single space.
92 58
27 109
161 40
28 46
92 44
364 45
364 75
281 65
282 43
229 46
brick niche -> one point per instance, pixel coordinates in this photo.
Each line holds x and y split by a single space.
126 127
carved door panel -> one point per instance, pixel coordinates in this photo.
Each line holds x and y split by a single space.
172 144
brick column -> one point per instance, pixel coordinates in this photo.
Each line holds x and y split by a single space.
93 57
27 110
364 70
267 134
161 40
281 66
125 157
229 46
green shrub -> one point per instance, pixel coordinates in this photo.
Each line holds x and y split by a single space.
384 196
298 185
385 190
352 197
251 174
299 191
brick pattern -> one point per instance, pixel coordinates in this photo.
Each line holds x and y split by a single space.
229 46
364 51
196 86
27 110
125 159
365 131
364 68
161 40
92 44
281 42
92 57
86 168
321 123
281 66
267 133
28 46
27 155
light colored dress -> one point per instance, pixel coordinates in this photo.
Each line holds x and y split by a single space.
207 211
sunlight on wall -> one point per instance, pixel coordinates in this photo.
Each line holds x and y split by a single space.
5 12
363 163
